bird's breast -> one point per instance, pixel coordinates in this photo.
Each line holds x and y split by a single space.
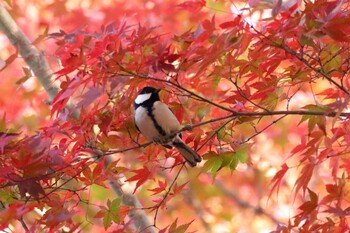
157 121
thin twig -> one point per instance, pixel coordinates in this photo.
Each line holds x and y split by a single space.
24 225
243 95
166 195
303 60
178 86
260 131
235 115
215 132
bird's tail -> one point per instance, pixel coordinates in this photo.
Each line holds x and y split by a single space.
190 155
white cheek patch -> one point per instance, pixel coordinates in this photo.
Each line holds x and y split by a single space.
142 98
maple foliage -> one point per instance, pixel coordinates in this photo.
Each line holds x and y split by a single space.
261 89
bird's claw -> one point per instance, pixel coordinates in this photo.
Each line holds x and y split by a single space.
162 140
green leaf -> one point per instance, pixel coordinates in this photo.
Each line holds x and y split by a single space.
107 220
305 40
9 2
271 101
234 163
6 197
112 213
173 226
316 108
202 111
227 158
221 133
99 192
313 120
241 154
215 81
330 58
213 164
115 205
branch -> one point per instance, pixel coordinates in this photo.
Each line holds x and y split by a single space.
301 58
137 214
251 114
175 85
167 193
233 116
39 65
35 60
262 130
24 225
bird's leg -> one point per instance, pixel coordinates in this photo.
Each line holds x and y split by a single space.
156 141
162 140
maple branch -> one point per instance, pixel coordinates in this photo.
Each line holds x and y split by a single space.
198 97
235 115
137 214
214 132
166 195
240 91
35 60
262 130
301 58
319 71
39 65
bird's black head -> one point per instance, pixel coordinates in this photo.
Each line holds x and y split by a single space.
147 97
147 90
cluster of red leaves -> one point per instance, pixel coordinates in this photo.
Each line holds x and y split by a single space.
217 70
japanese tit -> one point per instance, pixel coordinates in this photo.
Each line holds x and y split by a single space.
156 121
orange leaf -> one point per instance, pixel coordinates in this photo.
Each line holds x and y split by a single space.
41 37
10 59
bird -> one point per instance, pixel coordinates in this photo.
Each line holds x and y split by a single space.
156 122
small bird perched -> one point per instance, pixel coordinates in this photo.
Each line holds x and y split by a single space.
156 122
